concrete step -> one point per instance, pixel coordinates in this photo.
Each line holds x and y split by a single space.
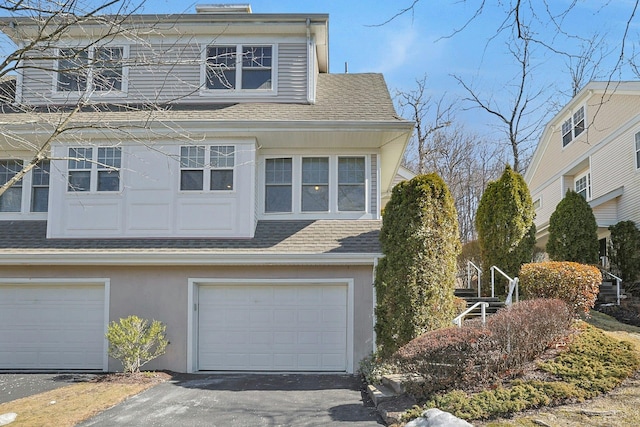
396 382
465 292
380 393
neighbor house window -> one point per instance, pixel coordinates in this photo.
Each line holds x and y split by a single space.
94 169
239 67
638 150
315 184
278 185
98 68
40 187
192 167
573 126
583 186
351 183
11 199
222 160
537 203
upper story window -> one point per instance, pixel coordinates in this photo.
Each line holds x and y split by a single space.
583 185
638 150
537 203
11 199
573 126
315 184
94 169
221 164
40 187
233 67
98 68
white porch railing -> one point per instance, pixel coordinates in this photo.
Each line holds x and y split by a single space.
513 286
618 281
469 266
483 313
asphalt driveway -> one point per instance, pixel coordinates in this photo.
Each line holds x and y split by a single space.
17 385
245 400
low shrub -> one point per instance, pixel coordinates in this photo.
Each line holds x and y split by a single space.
594 363
460 305
526 329
447 358
373 367
576 284
135 342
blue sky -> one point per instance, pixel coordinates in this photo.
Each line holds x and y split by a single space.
417 43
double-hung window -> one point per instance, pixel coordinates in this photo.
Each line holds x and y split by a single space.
278 185
315 184
94 169
573 126
232 67
192 167
637 150
11 199
583 186
98 68
351 184
40 187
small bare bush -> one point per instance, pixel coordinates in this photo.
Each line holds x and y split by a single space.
526 329
447 358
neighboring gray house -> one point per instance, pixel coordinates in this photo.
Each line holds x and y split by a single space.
241 207
592 146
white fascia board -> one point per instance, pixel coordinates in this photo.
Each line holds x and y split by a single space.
172 258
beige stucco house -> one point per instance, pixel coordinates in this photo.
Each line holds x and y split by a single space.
218 178
592 146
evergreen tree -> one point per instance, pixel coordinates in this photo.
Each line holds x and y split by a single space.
415 279
624 250
573 231
504 222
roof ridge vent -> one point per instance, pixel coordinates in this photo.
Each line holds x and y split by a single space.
223 8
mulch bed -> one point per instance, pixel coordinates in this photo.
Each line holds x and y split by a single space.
152 377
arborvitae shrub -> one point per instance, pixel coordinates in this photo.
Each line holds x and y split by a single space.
624 250
573 231
504 222
574 283
415 279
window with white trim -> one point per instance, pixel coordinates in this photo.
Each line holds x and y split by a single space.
98 68
302 184
315 184
278 185
193 165
40 187
11 199
583 186
573 126
251 69
94 169
638 150
537 203
351 183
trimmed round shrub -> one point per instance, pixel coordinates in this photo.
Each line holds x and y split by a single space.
574 283
416 278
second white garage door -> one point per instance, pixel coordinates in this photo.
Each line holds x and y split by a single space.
271 327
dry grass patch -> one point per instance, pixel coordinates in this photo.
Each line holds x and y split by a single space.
68 406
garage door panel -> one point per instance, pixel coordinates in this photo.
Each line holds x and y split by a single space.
272 327
51 326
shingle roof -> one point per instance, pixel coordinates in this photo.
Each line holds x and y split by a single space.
340 97
271 237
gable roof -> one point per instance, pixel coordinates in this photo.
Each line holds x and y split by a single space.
277 242
602 88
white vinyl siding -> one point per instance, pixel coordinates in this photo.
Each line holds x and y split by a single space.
171 72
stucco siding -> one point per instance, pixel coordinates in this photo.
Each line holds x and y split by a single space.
161 293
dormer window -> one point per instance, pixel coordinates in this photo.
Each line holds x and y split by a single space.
251 69
573 126
96 69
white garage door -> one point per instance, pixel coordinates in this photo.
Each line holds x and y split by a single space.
272 327
51 327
